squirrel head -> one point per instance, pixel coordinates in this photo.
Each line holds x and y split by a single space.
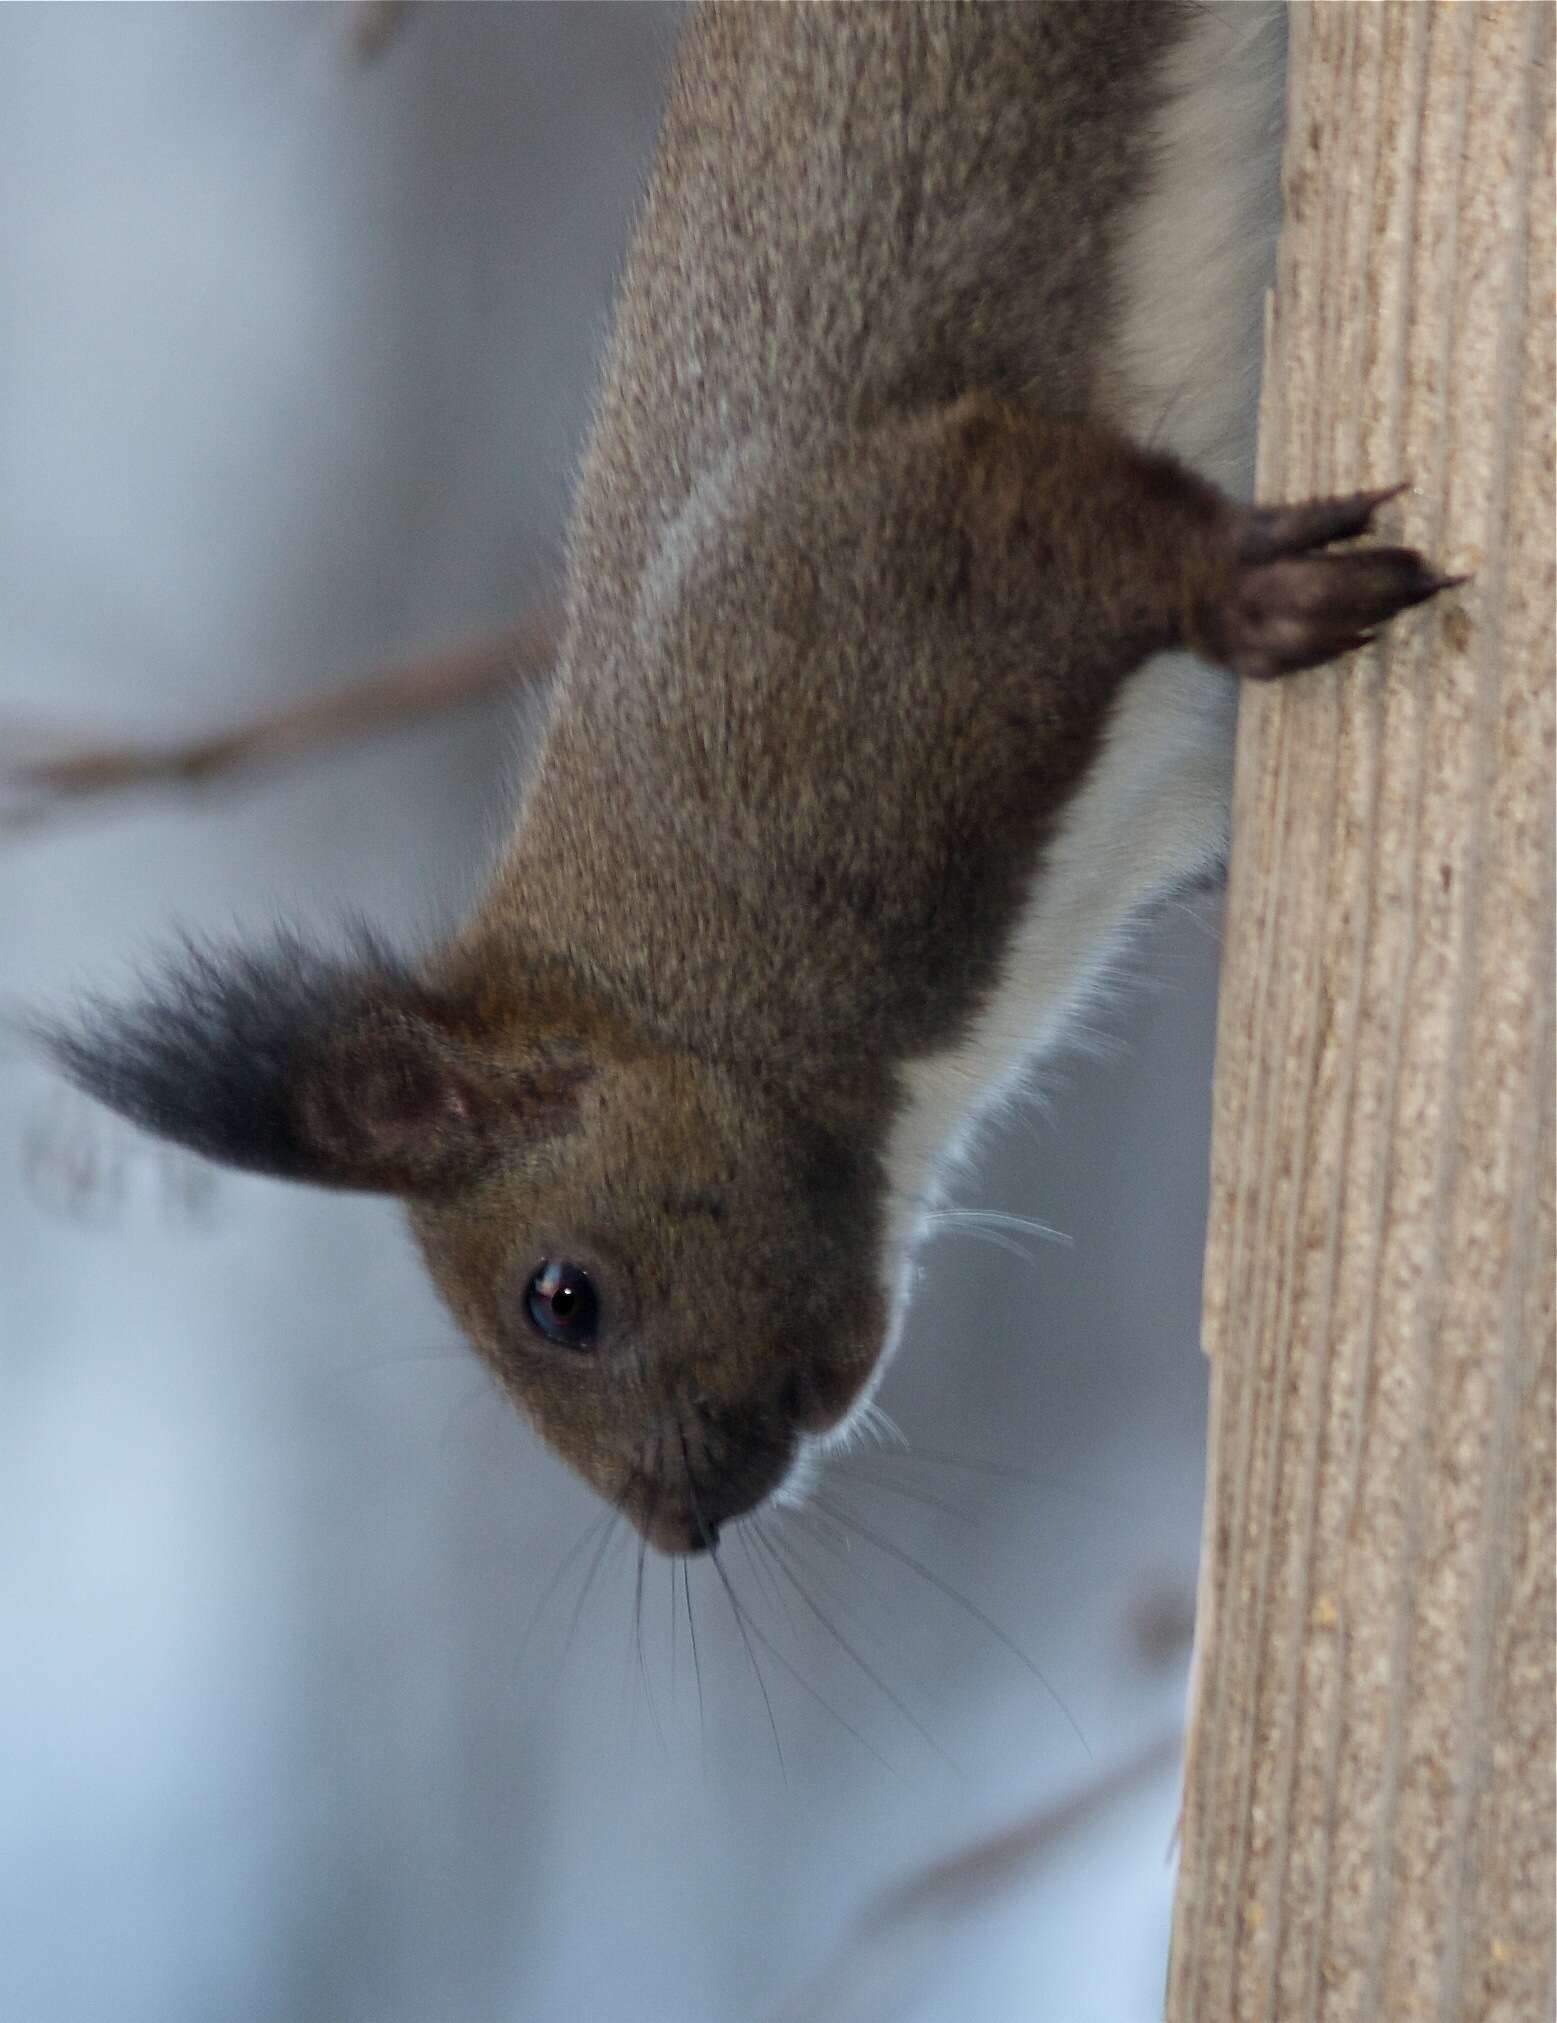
672 1269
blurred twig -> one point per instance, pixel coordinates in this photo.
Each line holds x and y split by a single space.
43 790
375 24
91 1168
880 1966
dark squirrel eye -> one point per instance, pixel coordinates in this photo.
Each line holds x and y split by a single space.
562 1304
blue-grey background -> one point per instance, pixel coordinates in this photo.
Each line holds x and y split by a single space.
295 358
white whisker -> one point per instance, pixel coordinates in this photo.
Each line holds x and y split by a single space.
874 1420
994 1218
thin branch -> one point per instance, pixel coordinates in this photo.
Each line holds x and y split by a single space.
472 670
882 1960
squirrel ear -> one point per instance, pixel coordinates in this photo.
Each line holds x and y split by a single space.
343 1072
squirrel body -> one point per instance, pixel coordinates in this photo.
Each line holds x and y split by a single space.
903 595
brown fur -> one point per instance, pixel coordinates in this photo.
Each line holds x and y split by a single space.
856 574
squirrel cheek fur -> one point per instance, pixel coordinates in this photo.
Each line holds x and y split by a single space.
904 613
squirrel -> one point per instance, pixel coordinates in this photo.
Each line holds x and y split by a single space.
908 598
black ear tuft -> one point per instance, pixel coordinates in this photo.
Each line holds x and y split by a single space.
345 1070
232 1052
211 1055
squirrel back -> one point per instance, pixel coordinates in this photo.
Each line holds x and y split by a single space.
859 217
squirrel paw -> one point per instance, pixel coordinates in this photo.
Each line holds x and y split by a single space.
1290 605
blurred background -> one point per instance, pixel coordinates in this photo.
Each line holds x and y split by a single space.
299 1720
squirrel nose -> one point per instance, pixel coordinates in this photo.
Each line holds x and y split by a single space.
676 1529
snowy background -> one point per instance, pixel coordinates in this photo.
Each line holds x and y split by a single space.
295 358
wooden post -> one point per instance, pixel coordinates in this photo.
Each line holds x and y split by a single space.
1368 1819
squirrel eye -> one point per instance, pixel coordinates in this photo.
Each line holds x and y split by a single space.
562 1304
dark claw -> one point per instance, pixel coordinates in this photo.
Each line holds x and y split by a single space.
1370 584
1269 532
1288 602
1304 610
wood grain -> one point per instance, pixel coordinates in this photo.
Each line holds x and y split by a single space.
1368 1824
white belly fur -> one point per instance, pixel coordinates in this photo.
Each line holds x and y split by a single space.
1193 276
